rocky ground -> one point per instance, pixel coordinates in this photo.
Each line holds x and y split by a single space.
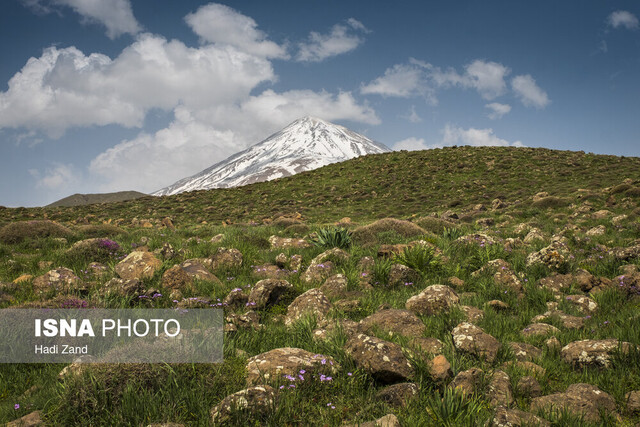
513 316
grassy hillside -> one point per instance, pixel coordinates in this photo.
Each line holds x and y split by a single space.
524 239
396 184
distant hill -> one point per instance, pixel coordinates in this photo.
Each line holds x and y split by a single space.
90 199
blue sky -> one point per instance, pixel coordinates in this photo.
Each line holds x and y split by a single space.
136 94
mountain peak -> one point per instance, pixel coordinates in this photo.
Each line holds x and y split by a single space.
305 144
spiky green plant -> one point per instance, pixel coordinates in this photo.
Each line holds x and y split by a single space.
421 258
333 237
452 408
452 233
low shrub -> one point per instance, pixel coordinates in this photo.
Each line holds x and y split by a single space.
17 232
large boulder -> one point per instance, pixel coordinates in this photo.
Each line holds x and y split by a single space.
433 300
471 339
553 256
256 402
505 417
322 266
597 353
268 292
499 391
138 265
580 400
536 329
335 286
401 275
288 242
467 382
60 279
525 352
383 360
313 302
274 365
395 322
226 259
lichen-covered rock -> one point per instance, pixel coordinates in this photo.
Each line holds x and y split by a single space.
138 265
268 292
505 417
313 302
473 314
401 275
197 270
398 395
433 300
583 303
395 322
471 339
568 321
535 329
275 364
60 279
633 401
499 390
248 320
176 278
553 256
30 420
525 352
388 420
288 242
226 259
335 286
593 352
270 271
467 382
383 360
255 401
236 298
580 400
528 386
122 287
427 345
316 273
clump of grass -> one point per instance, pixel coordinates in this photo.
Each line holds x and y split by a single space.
17 232
550 202
451 408
100 230
452 233
421 258
367 234
333 237
381 269
434 225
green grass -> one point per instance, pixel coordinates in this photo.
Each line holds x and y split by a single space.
410 186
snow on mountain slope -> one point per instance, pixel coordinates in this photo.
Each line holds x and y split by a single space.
306 144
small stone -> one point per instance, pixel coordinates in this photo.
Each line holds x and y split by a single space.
433 300
256 401
467 382
439 368
471 339
499 390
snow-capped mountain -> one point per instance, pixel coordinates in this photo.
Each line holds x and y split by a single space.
306 144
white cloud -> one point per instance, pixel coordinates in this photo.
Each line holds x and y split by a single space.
418 78
65 88
403 81
411 144
56 177
341 39
497 110
488 78
115 15
412 116
530 94
475 137
220 24
623 18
